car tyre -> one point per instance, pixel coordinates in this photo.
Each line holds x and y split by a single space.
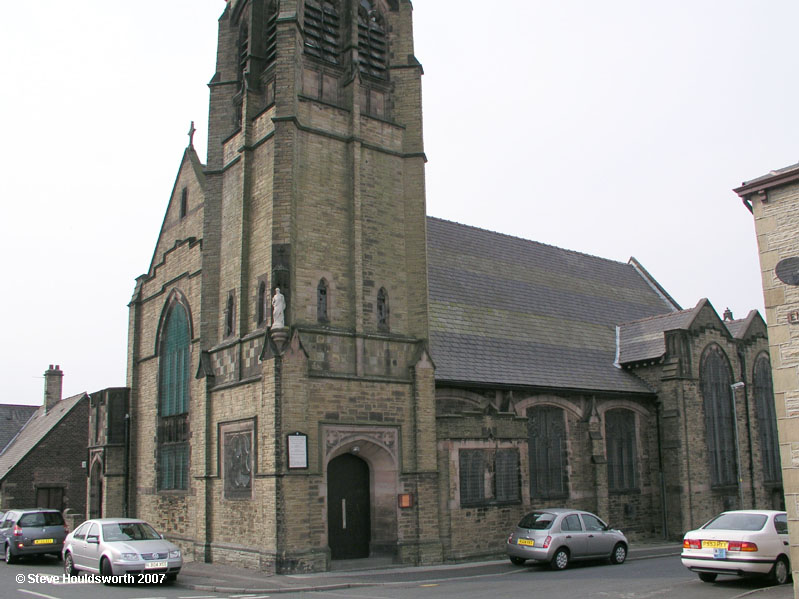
106 571
10 557
707 576
69 565
560 560
781 572
517 561
170 578
619 554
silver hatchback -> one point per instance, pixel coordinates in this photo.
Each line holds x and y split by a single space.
559 536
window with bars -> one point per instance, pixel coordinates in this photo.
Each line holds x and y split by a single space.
489 476
270 34
321 25
173 399
546 429
715 379
321 301
621 450
372 44
766 420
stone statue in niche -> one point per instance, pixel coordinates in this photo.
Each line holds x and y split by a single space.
278 310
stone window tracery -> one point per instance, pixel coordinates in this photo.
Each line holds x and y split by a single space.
321 301
715 380
382 309
621 450
372 43
766 420
546 429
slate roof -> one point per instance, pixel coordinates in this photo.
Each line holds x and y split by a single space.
36 429
645 339
509 311
12 418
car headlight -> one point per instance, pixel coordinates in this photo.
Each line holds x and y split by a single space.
175 553
129 557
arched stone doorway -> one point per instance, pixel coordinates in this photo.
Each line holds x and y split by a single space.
348 507
96 491
376 450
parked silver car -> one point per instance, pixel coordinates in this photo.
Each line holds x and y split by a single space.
119 546
559 535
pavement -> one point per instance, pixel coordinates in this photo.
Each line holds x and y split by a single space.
219 578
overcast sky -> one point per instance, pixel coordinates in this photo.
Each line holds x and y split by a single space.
612 127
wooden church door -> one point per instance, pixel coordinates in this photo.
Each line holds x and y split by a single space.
348 509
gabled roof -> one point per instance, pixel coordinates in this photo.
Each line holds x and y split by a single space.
12 418
509 311
646 339
36 429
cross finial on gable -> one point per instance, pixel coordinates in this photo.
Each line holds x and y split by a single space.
191 135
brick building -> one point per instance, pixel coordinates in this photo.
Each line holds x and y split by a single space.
319 371
773 200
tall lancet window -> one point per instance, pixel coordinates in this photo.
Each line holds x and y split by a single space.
270 33
321 301
372 44
382 309
174 367
766 420
321 26
715 377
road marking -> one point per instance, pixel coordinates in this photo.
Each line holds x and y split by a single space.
37 594
428 585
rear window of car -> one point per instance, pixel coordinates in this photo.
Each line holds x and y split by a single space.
537 520
737 522
41 519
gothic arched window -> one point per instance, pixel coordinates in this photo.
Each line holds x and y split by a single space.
174 367
321 301
230 314
321 26
546 433
184 202
382 309
715 377
372 44
766 420
621 449
270 34
262 302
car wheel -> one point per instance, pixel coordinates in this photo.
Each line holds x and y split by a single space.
106 571
517 561
781 572
560 560
707 576
171 577
69 565
10 557
619 554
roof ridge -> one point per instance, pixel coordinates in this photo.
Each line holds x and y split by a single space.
516 237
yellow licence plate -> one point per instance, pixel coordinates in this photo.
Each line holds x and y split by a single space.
528 542
43 541
714 544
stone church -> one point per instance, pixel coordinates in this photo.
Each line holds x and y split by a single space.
319 371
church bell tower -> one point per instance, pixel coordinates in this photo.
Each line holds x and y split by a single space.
315 186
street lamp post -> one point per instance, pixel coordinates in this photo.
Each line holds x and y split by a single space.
734 387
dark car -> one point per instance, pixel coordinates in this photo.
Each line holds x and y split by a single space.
34 531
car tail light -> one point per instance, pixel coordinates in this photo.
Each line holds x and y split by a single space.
17 531
741 546
547 541
691 544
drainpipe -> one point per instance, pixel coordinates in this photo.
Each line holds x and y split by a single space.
742 359
733 388
126 479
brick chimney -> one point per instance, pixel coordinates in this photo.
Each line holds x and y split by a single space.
53 377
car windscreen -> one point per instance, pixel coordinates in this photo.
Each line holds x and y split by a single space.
129 531
537 520
41 519
737 521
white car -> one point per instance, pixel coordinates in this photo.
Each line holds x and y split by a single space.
740 543
115 547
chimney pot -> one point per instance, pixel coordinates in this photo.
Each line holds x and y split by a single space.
53 379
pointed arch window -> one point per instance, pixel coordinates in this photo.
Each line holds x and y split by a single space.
173 400
382 309
766 420
321 301
372 44
621 450
270 33
184 202
546 431
230 314
715 377
321 25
